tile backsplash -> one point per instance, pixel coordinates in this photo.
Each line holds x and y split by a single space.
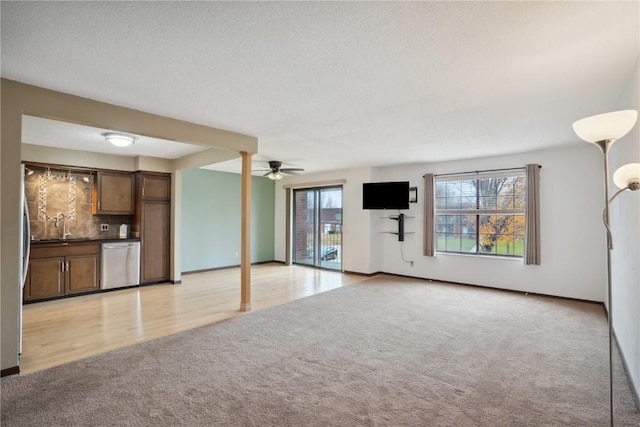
54 194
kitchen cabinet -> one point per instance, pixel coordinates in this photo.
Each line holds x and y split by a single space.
114 193
64 269
154 255
152 220
45 278
82 273
155 186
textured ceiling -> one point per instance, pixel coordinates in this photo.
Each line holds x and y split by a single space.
331 85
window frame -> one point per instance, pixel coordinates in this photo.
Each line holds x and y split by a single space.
477 211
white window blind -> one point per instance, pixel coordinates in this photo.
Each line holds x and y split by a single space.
481 213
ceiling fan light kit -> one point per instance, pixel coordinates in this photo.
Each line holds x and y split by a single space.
276 176
276 172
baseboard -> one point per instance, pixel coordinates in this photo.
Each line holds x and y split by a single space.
357 273
428 279
493 288
14 370
634 388
225 267
64 296
155 282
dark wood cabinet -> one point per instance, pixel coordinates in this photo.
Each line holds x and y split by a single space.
155 187
154 248
45 278
64 269
82 273
114 193
152 221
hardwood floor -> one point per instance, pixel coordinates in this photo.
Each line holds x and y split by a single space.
57 332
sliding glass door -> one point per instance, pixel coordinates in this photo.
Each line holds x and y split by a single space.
317 224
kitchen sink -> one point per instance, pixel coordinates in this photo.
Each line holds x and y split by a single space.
61 240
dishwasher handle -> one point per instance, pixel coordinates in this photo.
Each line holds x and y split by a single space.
119 246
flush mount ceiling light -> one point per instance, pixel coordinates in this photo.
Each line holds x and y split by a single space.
119 139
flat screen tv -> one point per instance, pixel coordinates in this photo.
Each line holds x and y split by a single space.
385 195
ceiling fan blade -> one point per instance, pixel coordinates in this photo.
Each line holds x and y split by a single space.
268 173
287 170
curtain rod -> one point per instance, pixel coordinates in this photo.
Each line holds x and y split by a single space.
486 170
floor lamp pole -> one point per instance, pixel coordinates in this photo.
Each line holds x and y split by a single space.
604 146
603 130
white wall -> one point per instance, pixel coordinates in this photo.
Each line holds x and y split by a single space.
625 257
59 156
573 262
572 236
155 164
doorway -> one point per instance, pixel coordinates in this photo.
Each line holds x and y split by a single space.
317 225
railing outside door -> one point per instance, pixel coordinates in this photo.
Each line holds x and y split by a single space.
317 223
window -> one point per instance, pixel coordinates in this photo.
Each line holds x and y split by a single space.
481 213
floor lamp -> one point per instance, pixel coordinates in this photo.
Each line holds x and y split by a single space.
603 130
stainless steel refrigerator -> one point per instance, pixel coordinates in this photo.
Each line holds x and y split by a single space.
25 247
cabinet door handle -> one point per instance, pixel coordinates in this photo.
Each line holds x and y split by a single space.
67 265
143 191
63 266
98 204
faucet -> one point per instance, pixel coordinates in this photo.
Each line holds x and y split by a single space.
64 225
57 219
65 233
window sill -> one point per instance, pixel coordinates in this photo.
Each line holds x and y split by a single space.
508 258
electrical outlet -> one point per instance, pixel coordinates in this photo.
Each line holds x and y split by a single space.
104 227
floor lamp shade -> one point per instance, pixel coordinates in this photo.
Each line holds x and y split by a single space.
628 176
606 127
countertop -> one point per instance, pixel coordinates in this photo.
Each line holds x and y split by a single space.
83 240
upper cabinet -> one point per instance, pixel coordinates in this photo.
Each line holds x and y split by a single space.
154 186
114 193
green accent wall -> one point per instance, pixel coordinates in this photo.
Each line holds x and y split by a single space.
211 219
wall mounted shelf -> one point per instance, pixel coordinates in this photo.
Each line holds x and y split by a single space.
400 218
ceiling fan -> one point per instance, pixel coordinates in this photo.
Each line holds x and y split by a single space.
276 171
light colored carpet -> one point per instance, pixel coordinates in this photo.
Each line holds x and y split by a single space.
386 352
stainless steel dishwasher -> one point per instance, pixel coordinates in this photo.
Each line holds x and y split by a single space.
120 264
